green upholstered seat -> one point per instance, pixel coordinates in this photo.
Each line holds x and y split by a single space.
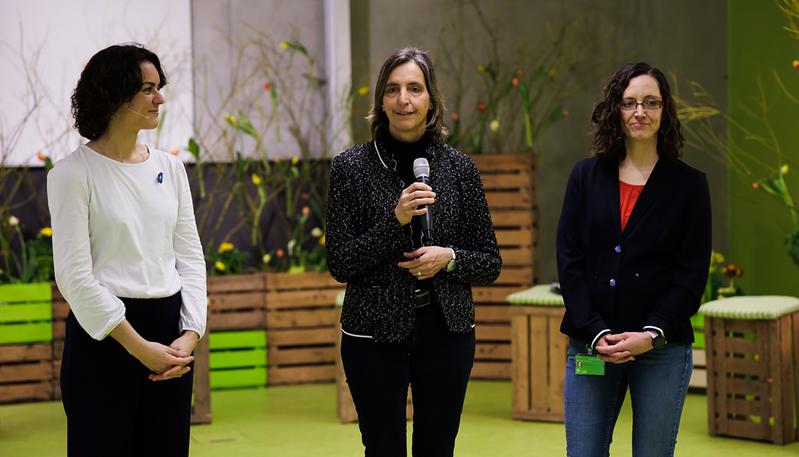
540 295
762 307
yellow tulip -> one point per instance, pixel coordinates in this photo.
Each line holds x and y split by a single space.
219 266
225 247
284 45
295 160
256 179
363 90
46 231
784 169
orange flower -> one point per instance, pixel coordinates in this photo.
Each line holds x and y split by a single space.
454 116
795 64
514 82
481 106
755 185
732 270
41 156
280 253
306 210
174 151
305 196
267 87
519 72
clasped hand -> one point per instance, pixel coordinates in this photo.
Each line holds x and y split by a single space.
623 347
426 261
167 362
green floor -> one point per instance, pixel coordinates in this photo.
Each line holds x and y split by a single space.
301 421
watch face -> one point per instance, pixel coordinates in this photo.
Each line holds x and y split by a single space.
658 342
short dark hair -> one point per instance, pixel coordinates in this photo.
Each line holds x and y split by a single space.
112 77
378 120
606 119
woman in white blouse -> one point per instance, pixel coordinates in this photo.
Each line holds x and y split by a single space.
129 262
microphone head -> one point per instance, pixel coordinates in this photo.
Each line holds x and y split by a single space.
421 168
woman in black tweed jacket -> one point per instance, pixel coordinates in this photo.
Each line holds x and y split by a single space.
408 315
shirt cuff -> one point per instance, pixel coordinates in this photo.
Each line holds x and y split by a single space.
598 335
657 329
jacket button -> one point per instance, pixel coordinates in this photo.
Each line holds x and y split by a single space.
617 248
612 282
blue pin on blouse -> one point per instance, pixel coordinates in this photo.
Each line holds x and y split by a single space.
160 177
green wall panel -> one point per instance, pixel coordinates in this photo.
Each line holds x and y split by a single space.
758 223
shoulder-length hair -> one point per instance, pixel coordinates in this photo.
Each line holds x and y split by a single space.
112 77
608 140
378 120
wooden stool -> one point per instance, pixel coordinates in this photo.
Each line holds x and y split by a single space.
538 350
344 406
752 346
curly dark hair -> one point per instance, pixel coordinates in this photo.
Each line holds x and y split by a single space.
378 120
608 141
112 77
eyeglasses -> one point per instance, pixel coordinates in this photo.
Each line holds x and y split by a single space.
649 104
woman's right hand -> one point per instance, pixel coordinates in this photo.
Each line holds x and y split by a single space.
412 197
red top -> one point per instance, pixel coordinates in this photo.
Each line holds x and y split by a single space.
628 195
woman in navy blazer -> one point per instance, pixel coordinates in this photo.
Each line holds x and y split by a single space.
633 249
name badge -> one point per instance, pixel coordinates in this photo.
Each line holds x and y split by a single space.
590 365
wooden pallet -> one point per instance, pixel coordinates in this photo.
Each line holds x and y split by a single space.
301 322
26 354
539 363
753 379
237 302
509 183
26 372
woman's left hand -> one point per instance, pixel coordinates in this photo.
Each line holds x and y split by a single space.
623 347
426 261
184 343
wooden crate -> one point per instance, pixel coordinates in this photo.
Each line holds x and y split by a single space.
301 320
752 385
60 313
201 401
539 363
237 302
237 359
509 181
26 372
26 354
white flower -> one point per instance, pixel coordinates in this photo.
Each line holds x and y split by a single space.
13 221
494 126
316 232
290 245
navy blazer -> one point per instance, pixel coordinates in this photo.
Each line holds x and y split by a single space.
652 273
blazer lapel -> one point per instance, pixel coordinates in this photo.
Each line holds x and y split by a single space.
651 193
610 191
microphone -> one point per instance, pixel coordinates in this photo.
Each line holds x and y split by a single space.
138 113
421 170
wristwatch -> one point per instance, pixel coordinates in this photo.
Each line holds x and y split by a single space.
451 264
658 340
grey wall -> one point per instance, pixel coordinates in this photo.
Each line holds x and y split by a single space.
682 36
221 29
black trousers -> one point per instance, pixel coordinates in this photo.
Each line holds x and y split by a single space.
112 408
435 362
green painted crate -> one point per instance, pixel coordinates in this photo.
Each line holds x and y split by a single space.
698 323
237 359
26 313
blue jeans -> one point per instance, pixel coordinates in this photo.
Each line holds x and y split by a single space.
658 382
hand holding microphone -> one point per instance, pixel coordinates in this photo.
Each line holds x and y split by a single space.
414 200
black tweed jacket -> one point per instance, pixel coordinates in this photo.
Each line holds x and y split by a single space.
365 241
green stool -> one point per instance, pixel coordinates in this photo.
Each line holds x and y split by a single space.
538 354
752 345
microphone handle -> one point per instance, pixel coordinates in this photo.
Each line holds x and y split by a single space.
427 218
